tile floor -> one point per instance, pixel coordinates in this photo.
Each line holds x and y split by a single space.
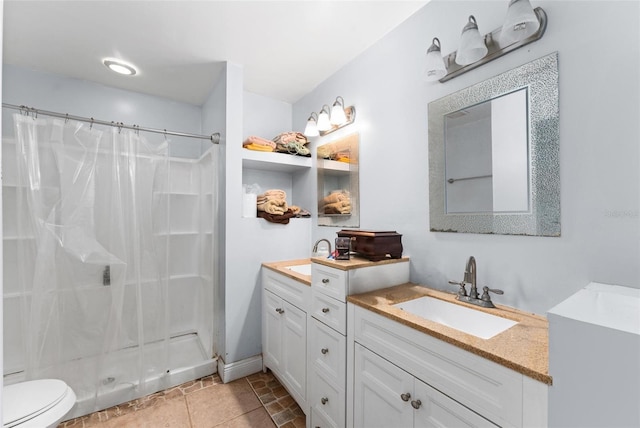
255 401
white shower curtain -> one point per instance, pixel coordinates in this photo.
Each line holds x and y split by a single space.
93 265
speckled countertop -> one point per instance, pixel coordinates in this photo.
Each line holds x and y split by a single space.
355 262
523 347
281 267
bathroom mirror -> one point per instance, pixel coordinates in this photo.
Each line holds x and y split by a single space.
338 182
494 155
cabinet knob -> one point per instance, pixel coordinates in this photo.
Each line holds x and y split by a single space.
416 404
325 310
406 396
324 400
325 280
324 350
280 311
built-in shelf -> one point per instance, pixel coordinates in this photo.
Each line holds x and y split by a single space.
273 161
331 165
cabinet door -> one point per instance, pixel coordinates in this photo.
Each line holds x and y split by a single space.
378 392
272 318
294 349
438 410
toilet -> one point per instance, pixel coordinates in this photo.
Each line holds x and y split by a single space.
36 404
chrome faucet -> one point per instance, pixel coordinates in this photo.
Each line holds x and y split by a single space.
472 297
470 277
315 246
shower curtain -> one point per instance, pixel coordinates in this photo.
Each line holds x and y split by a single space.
94 267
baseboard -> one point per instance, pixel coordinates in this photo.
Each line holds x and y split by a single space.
238 369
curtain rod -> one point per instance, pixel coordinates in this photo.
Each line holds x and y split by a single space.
214 138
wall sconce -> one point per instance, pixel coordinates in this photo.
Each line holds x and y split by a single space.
330 119
311 130
338 116
522 25
472 47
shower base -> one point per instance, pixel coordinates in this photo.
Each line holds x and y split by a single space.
119 383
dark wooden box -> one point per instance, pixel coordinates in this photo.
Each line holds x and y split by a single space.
374 246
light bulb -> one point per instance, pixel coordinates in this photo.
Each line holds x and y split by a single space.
323 119
338 116
311 130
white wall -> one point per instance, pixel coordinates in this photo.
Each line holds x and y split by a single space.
214 119
251 241
598 45
1 235
47 91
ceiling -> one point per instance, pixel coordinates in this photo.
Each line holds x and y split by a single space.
286 48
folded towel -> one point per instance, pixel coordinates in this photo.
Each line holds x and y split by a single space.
291 137
337 208
253 140
295 209
273 194
335 197
277 218
273 207
259 148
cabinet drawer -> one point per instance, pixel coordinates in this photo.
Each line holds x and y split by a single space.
289 289
330 311
328 352
481 385
332 282
327 399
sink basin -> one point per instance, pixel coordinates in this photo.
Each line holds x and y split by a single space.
467 320
301 269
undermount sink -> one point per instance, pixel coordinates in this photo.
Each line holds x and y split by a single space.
467 320
301 269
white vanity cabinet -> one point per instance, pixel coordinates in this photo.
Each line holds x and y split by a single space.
327 350
387 396
394 366
284 331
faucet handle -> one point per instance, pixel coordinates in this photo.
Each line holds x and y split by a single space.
462 291
485 293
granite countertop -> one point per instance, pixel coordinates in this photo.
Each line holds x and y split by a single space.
281 267
523 347
355 262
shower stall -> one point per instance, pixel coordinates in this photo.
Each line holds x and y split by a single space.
109 261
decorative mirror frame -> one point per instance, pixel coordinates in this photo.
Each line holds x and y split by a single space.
543 219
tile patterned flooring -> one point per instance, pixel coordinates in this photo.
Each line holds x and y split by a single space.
255 401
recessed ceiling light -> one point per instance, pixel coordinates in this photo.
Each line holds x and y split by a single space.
120 67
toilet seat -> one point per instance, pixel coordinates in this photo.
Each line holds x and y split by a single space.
29 401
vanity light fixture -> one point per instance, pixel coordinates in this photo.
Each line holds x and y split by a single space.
435 64
472 47
324 124
120 67
311 130
523 25
520 23
338 116
330 119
